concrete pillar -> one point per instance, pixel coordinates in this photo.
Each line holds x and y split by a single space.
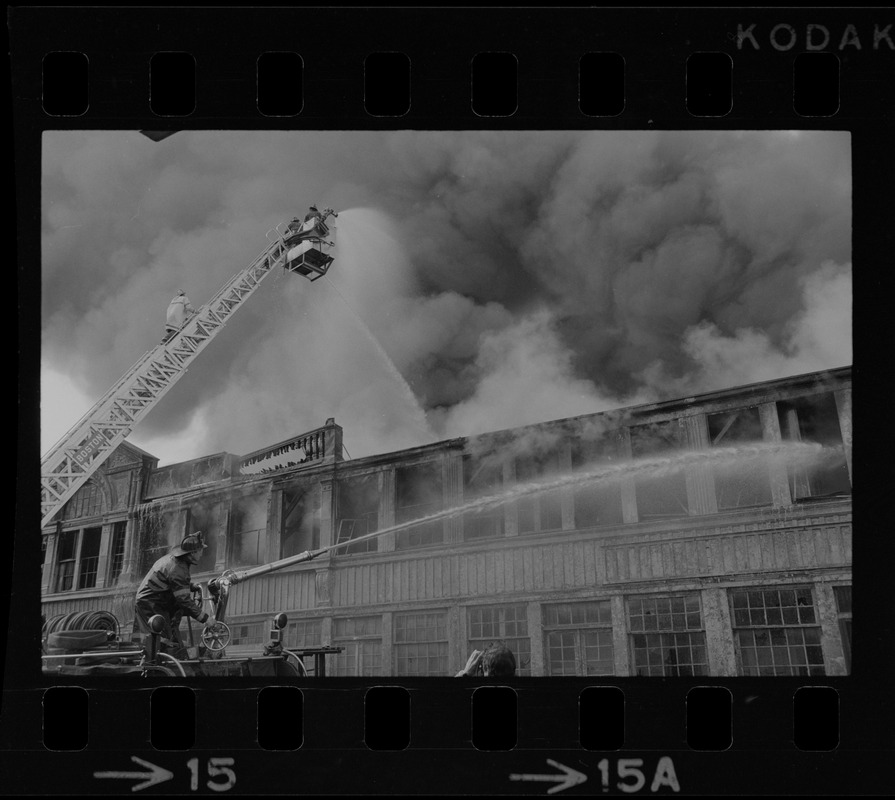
701 496
130 561
388 659
332 441
452 481
830 635
628 490
327 512
386 509
46 580
620 649
274 531
511 510
224 535
326 633
536 637
567 493
721 652
457 638
843 407
323 579
770 428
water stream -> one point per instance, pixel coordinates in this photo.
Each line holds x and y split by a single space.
786 455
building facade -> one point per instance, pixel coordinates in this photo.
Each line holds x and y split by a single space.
720 567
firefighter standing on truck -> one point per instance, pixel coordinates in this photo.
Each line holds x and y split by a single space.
167 590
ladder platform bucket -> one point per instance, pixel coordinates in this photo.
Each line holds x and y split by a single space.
308 259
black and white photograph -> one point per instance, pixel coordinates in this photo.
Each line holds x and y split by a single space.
405 403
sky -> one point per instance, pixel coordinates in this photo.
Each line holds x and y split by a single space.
482 280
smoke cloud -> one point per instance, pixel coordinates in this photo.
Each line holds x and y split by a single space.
483 280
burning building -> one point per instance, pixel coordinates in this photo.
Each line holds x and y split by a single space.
708 535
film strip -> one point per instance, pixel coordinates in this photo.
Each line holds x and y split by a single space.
820 726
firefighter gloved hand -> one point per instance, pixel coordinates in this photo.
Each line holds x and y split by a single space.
203 618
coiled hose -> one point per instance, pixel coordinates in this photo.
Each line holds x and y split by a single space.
80 621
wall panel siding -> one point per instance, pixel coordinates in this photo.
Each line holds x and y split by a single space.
714 554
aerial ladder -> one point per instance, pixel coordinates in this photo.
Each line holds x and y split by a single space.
303 248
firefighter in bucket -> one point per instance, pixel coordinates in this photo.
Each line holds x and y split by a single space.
168 591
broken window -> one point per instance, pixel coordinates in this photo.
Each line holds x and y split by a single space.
358 513
301 520
739 483
419 495
777 632
661 490
491 625
482 478
597 502
541 510
667 636
248 530
211 519
816 419
578 638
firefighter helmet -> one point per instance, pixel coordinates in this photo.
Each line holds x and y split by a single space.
190 544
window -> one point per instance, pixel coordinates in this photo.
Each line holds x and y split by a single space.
599 502
301 521
488 625
540 511
421 644
843 607
248 633
776 632
362 639
303 634
358 513
667 636
116 552
743 483
578 638
665 495
482 478
816 419
87 502
43 554
248 531
419 494
65 562
89 557
78 555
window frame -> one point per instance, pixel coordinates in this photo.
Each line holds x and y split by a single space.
522 654
579 631
812 668
668 637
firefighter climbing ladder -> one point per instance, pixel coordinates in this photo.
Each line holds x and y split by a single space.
83 449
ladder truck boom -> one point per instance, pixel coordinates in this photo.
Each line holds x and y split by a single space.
302 249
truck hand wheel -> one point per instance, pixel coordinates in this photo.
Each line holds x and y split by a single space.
216 636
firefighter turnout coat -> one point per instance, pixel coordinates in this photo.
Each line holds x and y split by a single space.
166 590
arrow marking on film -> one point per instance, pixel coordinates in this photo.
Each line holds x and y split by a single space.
156 775
569 777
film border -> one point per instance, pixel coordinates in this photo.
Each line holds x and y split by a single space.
440 42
